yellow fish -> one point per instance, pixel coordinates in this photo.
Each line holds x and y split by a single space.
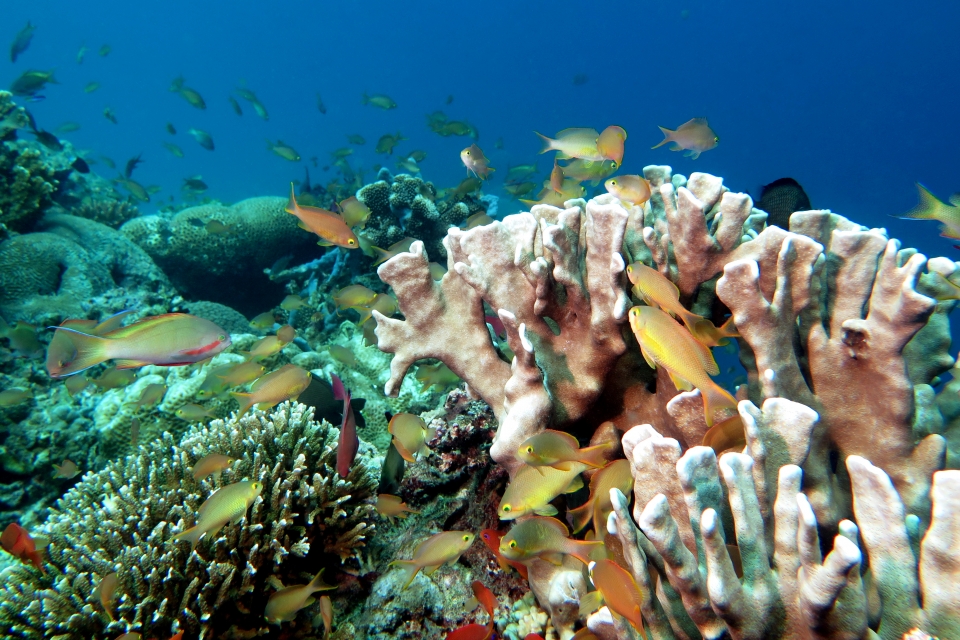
440 375
560 450
286 383
410 435
387 142
14 396
68 469
379 100
193 413
227 504
397 247
384 303
725 435
694 136
342 354
665 343
546 538
151 394
265 347
354 295
532 489
293 302
284 150
241 373
435 551
212 463
263 321
283 605
634 189
598 506
475 162
392 506
574 143
588 170
329 226
655 289
354 212
286 334
930 207
107 591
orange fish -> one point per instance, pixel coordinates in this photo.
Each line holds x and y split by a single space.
107 592
620 591
547 538
556 177
598 507
286 334
610 143
265 347
655 289
286 383
629 188
17 542
725 435
329 226
169 340
694 136
356 295
560 450
242 373
491 538
437 550
665 343
475 162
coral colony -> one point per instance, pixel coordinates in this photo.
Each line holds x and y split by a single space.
649 413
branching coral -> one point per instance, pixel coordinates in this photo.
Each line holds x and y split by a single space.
122 520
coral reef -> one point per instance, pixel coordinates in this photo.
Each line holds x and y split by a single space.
404 206
228 266
27 184
829 313
53 274
122 520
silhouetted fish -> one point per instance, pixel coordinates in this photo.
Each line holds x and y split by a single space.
81 165
780 199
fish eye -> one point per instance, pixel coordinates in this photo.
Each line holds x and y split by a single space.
466 538
529 449
513 544
221 337
613 183
179 412
351 242
716 138
614 165
506 508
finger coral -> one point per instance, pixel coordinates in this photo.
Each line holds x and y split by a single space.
123 520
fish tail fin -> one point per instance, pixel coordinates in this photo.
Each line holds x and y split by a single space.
411 570
177 84
547 142
317 584
728 330
715 398
91 350
246 402
586 551
382 255
582 516
667 137
929 206
689 318
595 456
192 535
292 203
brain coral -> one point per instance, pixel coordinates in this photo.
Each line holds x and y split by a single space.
122 520
54 272
202 264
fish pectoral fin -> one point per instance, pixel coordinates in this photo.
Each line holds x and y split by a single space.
553 558
130 364
324 243
546 510
650 361
309 601
680 383
565 465
575 485
303 225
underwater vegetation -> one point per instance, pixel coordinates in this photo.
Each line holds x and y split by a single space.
654 408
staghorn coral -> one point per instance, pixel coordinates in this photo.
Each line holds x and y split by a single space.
122 519
27 185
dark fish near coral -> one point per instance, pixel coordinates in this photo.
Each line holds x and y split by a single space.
188 94
387 142
171 129
780 199
68 127
136 189
203 138
80 165
48 140
322 108
31 82
356 139
195 183
391 473
14 396
236 105
22 41
132 164
218 228
349 443
110 115
105 51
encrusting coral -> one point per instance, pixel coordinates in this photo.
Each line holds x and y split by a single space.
123 519
831 314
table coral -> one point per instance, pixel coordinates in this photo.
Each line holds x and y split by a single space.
122 520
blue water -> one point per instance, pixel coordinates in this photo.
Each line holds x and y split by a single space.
855 102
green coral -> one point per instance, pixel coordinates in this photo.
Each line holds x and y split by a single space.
123 518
